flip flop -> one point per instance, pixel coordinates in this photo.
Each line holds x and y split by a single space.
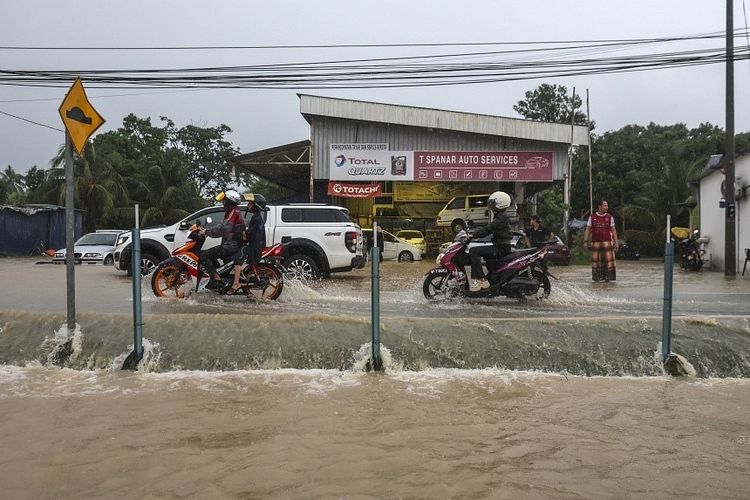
233 291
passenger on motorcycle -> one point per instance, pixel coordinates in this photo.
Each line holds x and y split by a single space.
499 228
230 230
254 238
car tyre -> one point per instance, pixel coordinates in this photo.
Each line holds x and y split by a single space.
302 267
148 263
109 260
405 256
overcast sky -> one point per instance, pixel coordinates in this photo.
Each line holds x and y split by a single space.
266 118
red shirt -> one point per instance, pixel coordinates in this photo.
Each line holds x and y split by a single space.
601 226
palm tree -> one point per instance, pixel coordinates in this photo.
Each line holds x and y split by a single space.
97 186
169 193
667 193
12 181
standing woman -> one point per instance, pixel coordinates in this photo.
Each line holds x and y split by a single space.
601 237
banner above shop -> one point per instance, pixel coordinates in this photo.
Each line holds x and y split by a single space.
348 190
369 162
375 162
483 166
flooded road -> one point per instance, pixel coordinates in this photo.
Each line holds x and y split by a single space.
638 293
564 398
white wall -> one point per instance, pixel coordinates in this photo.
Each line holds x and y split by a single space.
712 218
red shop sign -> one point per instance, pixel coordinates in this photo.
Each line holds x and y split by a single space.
350 190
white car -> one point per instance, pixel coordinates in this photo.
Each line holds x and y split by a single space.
92 248
394 248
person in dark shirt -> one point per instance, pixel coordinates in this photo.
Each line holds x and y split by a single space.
499 228
537 234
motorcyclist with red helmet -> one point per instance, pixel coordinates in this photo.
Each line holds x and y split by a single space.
230 232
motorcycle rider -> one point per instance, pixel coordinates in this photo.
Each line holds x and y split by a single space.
499 228
254 238
229 230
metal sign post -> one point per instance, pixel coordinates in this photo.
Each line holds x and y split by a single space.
376 363
666 329
131 362
70 236
81 121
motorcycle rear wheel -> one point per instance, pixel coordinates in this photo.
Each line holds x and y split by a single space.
440 284
263 282
544 286
171 280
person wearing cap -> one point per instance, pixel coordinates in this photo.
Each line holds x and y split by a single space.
254 238
229 230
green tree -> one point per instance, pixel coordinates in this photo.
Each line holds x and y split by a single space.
206 152
34 179
12 187
551 103
98 188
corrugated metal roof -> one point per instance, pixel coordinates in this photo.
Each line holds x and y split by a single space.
412 116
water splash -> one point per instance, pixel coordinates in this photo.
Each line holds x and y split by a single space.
64 346
362 357
148 363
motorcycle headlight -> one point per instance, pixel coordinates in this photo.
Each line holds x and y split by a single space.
439 258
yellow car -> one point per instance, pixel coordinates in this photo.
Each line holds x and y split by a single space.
413 237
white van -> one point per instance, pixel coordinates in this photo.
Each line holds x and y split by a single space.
473 207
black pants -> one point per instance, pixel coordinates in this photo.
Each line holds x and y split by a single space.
488 252
208 257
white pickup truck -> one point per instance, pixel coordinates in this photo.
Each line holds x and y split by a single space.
320 239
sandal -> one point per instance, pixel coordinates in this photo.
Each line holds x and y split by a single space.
233 291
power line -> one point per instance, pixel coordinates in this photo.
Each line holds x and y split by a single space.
31 121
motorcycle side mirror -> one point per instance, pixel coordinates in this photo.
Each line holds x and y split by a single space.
209 220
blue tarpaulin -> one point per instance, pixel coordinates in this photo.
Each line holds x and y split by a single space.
33 229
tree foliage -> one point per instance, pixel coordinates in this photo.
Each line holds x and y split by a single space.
551 103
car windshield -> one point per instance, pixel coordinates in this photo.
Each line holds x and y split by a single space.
409 234
97 239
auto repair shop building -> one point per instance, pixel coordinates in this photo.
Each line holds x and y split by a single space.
402 161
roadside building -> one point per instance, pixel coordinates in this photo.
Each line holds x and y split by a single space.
34 229
400 165
712 186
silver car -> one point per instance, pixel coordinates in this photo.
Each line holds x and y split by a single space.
92 248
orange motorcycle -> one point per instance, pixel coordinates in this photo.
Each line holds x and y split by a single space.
174 277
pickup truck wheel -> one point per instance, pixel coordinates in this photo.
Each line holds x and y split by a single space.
301 266
148 263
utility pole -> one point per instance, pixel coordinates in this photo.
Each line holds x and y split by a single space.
730 255
568 173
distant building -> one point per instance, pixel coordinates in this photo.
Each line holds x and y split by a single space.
33 229
711 203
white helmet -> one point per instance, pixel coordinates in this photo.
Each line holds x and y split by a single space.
498 200
229 195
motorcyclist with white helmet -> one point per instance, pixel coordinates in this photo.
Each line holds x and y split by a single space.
499 228
230 232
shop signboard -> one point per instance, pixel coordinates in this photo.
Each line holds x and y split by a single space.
351 190
471 166
369 162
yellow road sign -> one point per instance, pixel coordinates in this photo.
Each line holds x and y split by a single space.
79 116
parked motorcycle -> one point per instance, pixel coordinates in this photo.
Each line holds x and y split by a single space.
174 276
517 275
690 249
